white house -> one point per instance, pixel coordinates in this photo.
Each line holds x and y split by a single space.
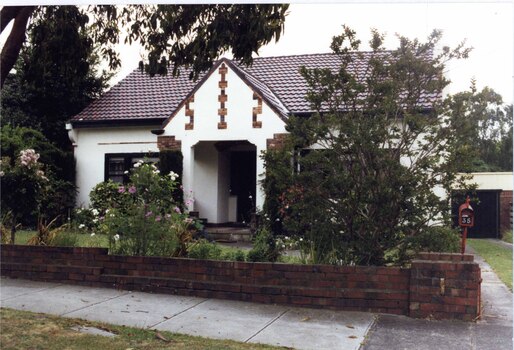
221 123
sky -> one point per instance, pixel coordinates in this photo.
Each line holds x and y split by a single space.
488 27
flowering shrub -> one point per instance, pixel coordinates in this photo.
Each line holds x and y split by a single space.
144 219
22 185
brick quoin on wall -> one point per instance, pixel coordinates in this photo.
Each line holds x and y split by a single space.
442 286
168 143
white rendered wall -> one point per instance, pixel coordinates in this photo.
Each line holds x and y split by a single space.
239 127
493 181
91 145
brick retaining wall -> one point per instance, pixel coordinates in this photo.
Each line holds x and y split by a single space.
437 285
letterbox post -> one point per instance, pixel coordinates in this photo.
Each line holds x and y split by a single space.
466 219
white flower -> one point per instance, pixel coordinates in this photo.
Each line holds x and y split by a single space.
107 210
301 239
92 234
95 220
116 237
82 226
2 173
126 172
137 165
283 246
95 212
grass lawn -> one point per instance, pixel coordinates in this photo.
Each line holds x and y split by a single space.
27 330
83 239
499 257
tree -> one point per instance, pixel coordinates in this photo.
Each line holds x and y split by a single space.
174 35
56 75
370 160
484 129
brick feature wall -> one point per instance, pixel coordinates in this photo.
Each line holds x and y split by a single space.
395 290
445 286
168 143
505 211
276 142
189 112
222 97
256 111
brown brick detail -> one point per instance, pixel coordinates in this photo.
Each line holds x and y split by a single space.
168 143
256 111
437 285
277 141
222 97
189 112
505 211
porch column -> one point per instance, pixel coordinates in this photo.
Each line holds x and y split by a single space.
259 193
188 162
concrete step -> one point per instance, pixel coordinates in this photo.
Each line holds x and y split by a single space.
229 234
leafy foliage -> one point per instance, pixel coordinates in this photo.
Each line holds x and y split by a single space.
264 247
173 35
373 164
142 217
485 129
22 187
56 74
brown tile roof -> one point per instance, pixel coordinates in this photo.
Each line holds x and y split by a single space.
277 79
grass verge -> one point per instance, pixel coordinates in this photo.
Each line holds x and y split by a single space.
498 256
27 330
507 236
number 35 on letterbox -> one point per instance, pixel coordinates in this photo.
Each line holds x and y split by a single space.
466 215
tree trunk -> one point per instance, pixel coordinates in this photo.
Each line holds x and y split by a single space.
15 40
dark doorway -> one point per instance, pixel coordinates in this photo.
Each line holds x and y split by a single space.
486 205
243 169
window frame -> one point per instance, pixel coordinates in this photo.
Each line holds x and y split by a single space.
128 162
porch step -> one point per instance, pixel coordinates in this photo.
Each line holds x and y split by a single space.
229 234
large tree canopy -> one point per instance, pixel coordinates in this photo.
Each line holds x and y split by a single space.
173 35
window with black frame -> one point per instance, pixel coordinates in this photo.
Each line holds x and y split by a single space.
118 165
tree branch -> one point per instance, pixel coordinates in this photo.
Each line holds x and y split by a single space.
14 42
7 14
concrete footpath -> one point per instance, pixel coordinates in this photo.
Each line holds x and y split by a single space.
297 328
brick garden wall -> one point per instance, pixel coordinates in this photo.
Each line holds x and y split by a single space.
437 285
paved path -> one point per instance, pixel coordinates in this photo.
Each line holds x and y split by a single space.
247 322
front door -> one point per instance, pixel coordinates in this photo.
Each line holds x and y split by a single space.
243 183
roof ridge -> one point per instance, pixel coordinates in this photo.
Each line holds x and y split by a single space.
315 54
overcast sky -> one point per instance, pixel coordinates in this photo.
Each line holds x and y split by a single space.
487 27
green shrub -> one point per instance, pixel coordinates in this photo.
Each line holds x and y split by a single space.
234 255
105 195
264 247
203 249
431 239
